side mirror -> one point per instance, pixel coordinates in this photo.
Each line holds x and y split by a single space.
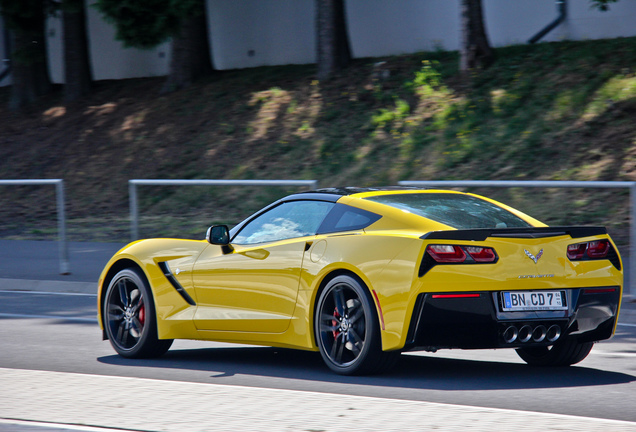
218 235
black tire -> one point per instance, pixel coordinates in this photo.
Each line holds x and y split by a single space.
347 329
565 352
130 318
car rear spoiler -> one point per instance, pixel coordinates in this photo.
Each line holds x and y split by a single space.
483 234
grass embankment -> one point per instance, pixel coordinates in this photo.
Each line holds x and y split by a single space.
558 111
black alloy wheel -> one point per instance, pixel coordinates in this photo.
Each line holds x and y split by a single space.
347 329
129 317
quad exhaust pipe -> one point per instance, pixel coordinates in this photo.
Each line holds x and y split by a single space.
528 333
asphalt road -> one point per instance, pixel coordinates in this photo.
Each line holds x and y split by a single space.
604 384
39 260
56 331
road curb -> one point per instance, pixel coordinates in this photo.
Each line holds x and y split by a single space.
174 406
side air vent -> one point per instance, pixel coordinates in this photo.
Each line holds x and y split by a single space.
175 283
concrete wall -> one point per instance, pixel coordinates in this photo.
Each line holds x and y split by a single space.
55 46
378 28
249 33
109 58
4 56
514 22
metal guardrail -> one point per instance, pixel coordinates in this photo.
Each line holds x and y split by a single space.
132 189
556 184
313 184
61 214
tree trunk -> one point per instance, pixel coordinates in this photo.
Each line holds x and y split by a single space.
332 42
77 69
191 57
29 67
475 49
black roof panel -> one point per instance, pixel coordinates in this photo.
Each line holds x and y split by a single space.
350 190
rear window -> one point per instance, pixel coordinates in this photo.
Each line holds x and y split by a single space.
455 210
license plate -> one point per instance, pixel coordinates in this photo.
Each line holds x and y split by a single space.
533 300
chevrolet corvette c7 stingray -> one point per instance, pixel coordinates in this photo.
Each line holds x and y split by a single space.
362 274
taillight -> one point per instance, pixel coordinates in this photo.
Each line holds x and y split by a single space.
481 254
576 251
454 254
597 249
599 290
447 253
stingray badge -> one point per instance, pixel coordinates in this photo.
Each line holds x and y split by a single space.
532 257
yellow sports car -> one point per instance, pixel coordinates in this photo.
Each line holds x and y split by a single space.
362 274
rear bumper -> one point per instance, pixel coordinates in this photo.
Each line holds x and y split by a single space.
480 322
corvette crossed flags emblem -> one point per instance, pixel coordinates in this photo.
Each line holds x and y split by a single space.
532 257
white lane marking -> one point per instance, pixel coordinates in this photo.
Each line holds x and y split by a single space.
627 325
63 426
51 317
49 293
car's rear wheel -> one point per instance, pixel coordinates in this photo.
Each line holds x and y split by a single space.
129 317
347 329
567 351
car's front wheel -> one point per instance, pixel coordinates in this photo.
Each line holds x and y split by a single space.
567 351
129 317
347 329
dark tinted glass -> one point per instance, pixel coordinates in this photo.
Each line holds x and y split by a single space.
346 218
455 210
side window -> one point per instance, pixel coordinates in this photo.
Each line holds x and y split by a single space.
345 218
287 220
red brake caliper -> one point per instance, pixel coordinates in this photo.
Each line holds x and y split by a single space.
336 323
142 314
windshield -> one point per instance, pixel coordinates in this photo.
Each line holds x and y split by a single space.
455 210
